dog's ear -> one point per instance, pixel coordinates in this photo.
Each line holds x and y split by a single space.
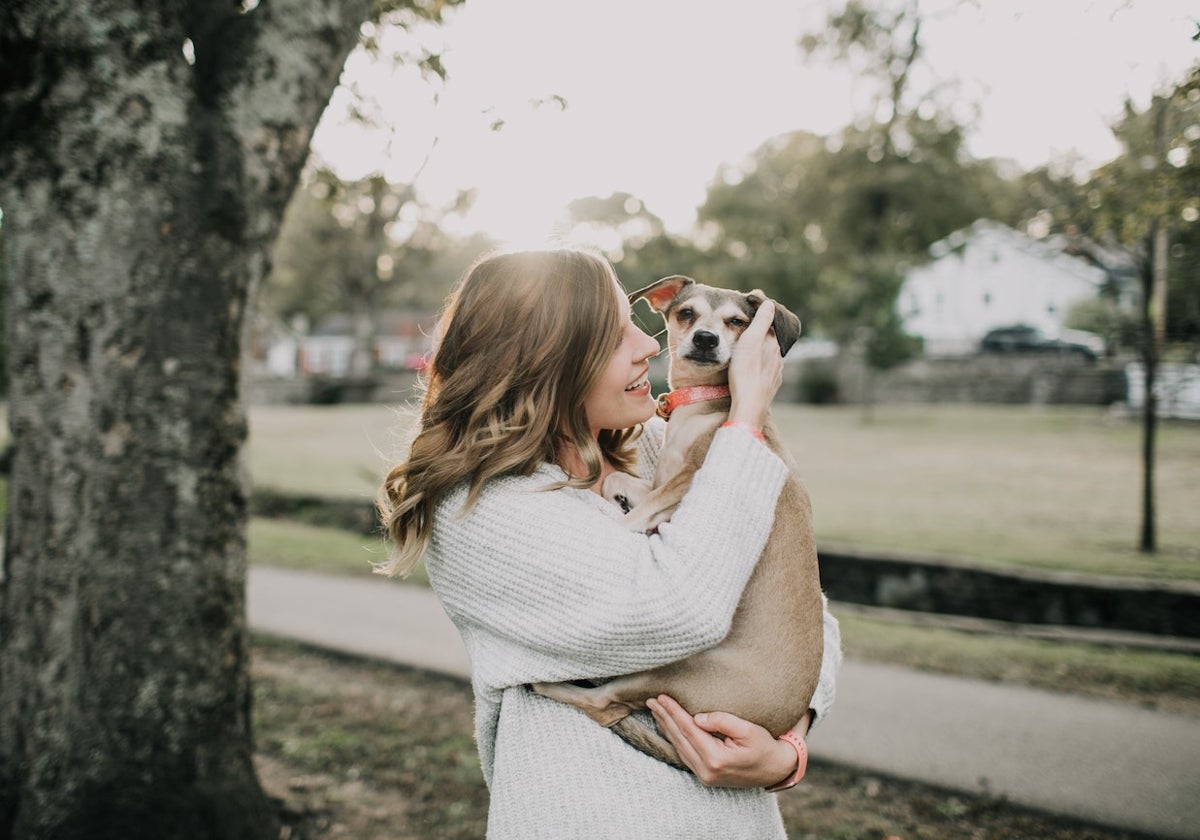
660 293
786 323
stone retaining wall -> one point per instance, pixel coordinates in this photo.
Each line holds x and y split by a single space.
1023 596
983 378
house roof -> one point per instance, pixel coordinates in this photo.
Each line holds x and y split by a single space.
985 230
1119 263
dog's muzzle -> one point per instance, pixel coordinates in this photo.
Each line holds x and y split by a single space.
705 340
706 348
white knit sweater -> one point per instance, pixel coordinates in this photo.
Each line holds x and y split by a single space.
549 585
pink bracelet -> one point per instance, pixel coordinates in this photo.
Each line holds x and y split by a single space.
801 762
734 424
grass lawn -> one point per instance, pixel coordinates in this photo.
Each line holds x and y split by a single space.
297 545
1055 488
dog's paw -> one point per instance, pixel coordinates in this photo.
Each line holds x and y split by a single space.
624 490
646 520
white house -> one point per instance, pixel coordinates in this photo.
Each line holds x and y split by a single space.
987 276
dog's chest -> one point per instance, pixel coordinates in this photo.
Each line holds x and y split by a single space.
677 453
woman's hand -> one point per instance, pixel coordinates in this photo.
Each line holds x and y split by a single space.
755 370
744 755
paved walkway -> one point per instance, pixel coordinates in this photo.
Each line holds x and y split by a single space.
1105 762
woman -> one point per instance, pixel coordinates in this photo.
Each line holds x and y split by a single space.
538 378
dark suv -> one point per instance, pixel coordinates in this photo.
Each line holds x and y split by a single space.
1025 339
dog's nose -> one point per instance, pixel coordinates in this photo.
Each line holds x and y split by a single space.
705 340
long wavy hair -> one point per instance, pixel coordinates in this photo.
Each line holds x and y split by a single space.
523 338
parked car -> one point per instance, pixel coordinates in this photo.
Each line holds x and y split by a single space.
1022 338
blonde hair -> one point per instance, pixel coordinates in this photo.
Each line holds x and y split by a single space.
523 338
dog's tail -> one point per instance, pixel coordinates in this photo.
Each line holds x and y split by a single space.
646 737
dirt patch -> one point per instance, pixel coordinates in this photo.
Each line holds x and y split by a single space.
364 750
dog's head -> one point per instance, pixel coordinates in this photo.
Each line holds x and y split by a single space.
704 322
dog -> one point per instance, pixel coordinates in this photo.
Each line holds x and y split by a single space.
766 669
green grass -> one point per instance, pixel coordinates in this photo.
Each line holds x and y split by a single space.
295 545
1155 679
373 729
1055 488
342 451
1050 488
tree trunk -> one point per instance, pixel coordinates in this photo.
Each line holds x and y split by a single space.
140 194
1148 538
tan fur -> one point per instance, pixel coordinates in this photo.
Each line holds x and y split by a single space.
766 669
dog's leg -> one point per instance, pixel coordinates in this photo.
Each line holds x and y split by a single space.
657 506
593 702
649 740
615 716
625 491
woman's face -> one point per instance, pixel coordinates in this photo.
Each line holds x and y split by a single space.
621 397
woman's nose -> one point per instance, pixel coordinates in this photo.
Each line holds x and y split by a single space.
651 345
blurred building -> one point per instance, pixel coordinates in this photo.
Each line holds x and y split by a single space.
989 275
400 341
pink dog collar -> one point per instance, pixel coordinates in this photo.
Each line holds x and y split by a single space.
801 762
672 400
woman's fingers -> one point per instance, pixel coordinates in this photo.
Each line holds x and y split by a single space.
724 725
723 749
675 723
756 369
760 324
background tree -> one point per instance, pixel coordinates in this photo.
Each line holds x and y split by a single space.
768 221
146 157
3 343
360 248
802 219
1149 200
830 224
635 239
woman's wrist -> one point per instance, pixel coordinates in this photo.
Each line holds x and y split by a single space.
798 752
750 411
784 763
740 424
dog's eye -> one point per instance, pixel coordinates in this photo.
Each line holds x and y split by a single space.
738 323
686 314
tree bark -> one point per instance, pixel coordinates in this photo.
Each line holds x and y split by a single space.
140 194
1148 536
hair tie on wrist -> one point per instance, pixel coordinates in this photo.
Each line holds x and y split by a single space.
735 424
801 762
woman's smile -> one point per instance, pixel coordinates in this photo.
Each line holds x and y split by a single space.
639 388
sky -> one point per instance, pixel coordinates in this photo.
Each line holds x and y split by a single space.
662 93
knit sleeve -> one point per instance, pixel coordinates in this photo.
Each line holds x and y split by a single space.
550 585
823 697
